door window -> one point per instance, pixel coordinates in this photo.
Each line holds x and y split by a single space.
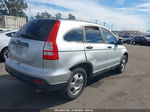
109 37
143 39
75 35
93 35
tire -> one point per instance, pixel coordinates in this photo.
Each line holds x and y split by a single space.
76 84
4 54
134 43
122 66
128 42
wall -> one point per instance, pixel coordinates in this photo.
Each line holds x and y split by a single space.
12 22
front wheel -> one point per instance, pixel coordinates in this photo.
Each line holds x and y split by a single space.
122 65
76 84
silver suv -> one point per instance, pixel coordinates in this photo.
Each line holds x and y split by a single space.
63 54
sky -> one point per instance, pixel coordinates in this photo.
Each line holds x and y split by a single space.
117 14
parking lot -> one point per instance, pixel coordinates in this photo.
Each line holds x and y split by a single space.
108 91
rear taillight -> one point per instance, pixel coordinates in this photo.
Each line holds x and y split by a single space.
50 51
38 82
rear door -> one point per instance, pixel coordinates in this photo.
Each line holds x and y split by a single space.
113 54
94 48
27 45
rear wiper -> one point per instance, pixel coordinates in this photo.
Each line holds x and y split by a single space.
27 36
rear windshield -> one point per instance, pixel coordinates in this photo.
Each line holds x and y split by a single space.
37 29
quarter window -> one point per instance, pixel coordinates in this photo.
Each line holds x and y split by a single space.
93 35
75 35
108 36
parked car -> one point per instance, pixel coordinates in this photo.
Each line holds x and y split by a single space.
63 54
3 29
132 40
5 37
142 40
126 39
119 37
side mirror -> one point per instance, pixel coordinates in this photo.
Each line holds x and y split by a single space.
120 42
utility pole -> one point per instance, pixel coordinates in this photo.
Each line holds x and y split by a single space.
30 12
112 26
96 21
104 23
123 28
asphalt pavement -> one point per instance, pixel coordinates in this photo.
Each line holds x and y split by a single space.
129 90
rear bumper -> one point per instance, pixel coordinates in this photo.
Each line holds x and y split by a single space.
35 81
52 76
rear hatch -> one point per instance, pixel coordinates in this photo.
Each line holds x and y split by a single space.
27 45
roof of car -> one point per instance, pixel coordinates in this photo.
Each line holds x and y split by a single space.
79 22
8 31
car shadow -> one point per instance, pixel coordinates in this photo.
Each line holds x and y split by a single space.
97 79
15 94
1 61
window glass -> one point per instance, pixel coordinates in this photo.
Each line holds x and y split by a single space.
143 38
75 35
137 38
37 29
10 34
93 35
108 36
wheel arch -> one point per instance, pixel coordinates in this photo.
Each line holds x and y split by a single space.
87 66
126 54
3 49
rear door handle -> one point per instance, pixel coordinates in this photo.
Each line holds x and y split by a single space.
89 47
109 47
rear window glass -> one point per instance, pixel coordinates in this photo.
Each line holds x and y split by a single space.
36 29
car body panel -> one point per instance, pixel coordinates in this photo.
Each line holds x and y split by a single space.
143 40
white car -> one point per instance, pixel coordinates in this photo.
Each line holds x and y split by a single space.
3 29
5 37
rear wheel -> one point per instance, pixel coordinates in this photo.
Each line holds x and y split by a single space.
128 42
122 65
76 84
134 43
4 54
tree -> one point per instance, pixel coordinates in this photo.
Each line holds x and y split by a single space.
58 15
70 16
3 10
14 7
38 15
43 15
